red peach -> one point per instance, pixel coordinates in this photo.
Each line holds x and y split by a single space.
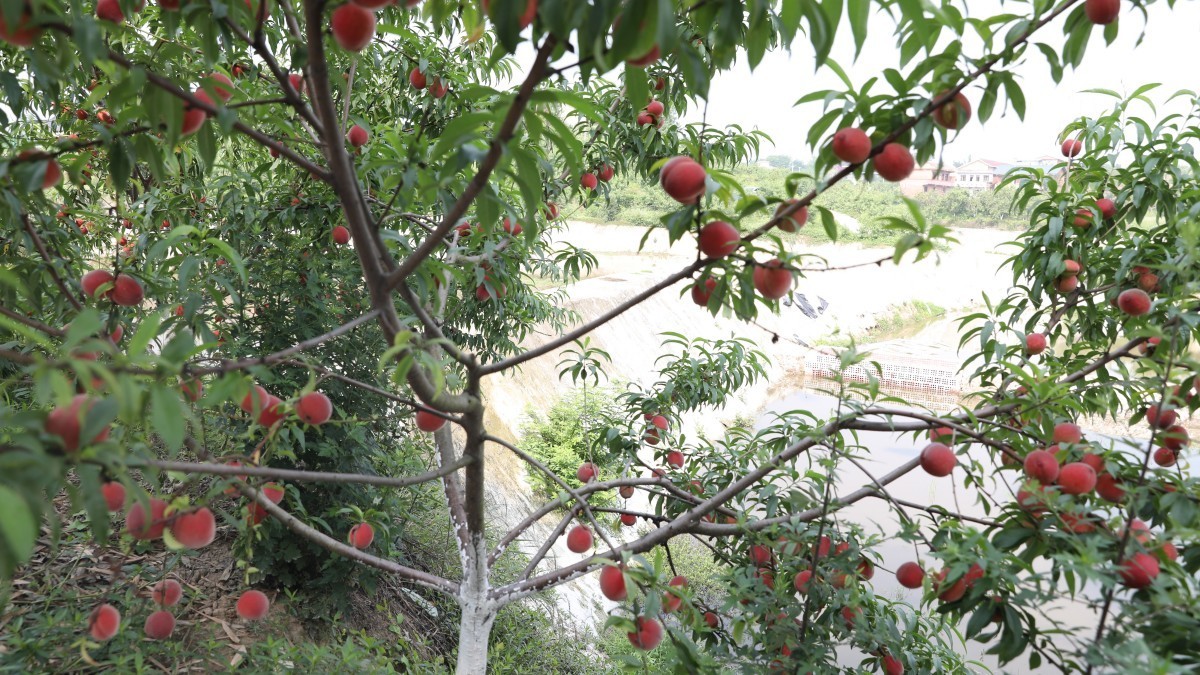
114 495
702 291
314 408
672 600
1175 437
1102 12
105 620
416 78
683 179
1164 457
1139 570
357 136
126 291
938 460
587 472
851 145
166 593
137 525
718 239
429 422
253 605
196 529
92 281
1042 466
1134 302
772 279
612 583
1035 343
1077 478
894 163
353 27
648 635
910 575
159 625
361 535
796 220
579 539
954 113
1159 415
1109 487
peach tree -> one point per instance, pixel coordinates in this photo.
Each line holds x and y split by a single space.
254 246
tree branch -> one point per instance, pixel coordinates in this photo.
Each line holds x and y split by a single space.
34 324
41 248
297 475
283 354
592 325
503 135
579 499
330 544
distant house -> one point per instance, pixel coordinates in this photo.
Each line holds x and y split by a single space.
928 178
980 174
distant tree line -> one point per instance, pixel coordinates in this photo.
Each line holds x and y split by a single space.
633 202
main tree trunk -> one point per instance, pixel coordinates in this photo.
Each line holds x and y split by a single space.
478 613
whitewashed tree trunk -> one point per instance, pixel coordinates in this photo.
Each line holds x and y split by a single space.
478 612
473 634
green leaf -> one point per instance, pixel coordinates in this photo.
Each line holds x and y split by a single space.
459 131
578 103
980 619
167 416
231 255
858 11
86 36
1015 96
147 329
120 163
18 525
206 143
828 222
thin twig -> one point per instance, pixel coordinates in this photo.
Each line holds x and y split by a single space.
41 248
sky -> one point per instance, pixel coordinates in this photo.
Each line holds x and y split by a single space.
764 99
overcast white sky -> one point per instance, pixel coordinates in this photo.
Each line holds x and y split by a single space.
764 98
